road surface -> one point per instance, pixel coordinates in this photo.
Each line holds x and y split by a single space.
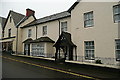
19 67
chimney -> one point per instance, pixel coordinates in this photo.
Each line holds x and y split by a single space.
29 12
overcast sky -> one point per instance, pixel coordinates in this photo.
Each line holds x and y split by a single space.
41 7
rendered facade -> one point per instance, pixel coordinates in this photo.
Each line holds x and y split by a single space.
82 32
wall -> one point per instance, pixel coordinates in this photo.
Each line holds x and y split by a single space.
30 19
103 33
22 33
8 26
52 31
13 32
0 31
52 28
50 49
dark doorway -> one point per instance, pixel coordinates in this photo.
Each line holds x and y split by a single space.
26 49
27 46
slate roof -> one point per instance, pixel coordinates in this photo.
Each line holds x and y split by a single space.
17 17
49 18
43 39
28 40
2 21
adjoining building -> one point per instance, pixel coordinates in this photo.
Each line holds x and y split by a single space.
41 34
2 23
87 32
9 38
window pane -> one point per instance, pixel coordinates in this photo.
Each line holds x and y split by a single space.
86 53
92 54
117 18
89 49
118 49
63 26
116 12
87 16
44 30
29 32
88 19
91 15
38 49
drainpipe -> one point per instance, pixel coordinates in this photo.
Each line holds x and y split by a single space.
17 42
36 31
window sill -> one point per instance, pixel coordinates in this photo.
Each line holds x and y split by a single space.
89 58
88 26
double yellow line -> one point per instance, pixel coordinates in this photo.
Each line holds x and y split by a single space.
45 67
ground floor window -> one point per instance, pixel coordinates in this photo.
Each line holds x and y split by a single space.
117 50
7 46
38 49
89 50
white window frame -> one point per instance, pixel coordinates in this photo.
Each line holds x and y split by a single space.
88 19
29 32
63 26
89 50
44 30
117 49
116 13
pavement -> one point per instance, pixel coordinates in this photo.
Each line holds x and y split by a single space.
72 69
74 62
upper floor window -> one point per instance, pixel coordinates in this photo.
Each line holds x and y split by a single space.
63 26
29 33
44 30
9 32
116 13
117 49
3 34
88 19
89 50
10 19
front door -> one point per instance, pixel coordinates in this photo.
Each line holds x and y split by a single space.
27 49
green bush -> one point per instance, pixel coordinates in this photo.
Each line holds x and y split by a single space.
98 62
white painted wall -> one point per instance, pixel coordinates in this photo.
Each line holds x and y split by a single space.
103 33
52 31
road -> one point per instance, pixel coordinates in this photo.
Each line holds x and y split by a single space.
19 67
